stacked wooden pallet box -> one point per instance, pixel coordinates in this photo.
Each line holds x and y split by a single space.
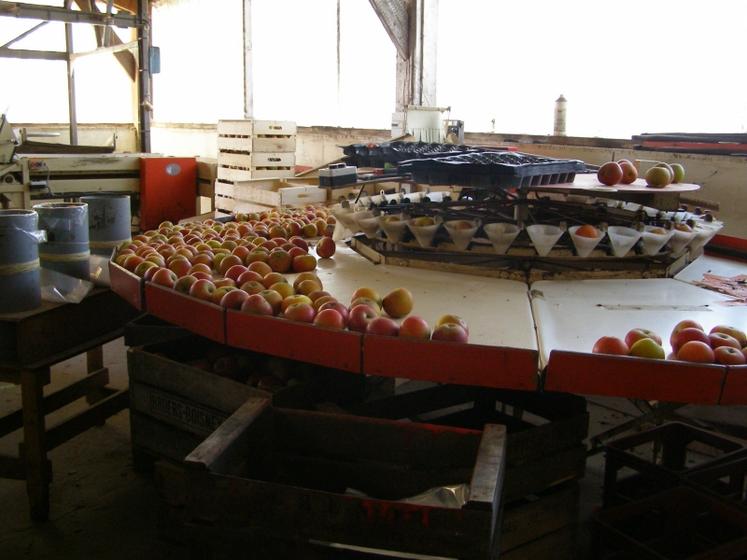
249 150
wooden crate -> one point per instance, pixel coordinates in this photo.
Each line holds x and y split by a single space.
268 193
545 454
283 474
177 398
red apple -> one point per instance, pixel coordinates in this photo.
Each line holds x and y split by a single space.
260 267
300 242
223 282
235 272
304 263
165 277
414 327
290 300
294 251
301 312
180 266
273 278
273 298
722 339
280 260
451 332
728 355
732 331
234 299
453 319
326 247
228 262
248 276
383 326
687 335
143 267
360 317
696 351
200 275
202 289
336 306
257 305
132 262
331 319
630 173
200 267
252 287
687 323
184 283
634 335
220 292
610 345
610 173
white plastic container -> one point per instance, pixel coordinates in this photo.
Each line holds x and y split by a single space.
544 237
501 235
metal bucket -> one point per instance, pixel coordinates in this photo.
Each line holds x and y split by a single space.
108 222
19 261
66 249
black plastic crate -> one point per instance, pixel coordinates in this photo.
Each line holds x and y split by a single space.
490 170
378 155
727 479
676 524
656 459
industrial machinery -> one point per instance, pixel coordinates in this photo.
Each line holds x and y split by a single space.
26 179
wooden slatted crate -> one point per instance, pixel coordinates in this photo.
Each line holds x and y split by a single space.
277 473
259 194
252 149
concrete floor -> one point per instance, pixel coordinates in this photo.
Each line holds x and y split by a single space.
102 509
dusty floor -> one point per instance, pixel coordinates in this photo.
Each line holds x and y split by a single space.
102 509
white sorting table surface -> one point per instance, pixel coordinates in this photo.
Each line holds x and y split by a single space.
572 315
497 311
707 264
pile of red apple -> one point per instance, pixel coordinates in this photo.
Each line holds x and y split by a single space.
242 264
723 345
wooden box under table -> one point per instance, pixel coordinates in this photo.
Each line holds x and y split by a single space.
300 476
177 399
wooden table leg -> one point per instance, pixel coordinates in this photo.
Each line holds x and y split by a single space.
34 450
94 363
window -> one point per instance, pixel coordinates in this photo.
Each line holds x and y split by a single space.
625 68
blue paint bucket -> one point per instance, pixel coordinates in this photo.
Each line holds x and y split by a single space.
66 249
19 261
108 222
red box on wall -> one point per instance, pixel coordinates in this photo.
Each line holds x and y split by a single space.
168 190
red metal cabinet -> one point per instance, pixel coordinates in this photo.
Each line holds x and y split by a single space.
168 190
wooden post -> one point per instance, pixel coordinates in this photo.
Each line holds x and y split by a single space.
34 450
72 113
248 74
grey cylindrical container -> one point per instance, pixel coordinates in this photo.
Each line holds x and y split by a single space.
66 249
108 221
19 261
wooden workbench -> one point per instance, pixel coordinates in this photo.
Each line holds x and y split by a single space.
30 343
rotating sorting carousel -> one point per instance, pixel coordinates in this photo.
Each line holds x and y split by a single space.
520 216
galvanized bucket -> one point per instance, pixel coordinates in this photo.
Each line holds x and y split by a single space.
108 222
66 249
19 261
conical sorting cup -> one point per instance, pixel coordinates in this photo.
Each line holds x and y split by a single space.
544 237
622 239
369 226
462 232
345 217
357 216
654 238
394 227
424 234
501 235
680 240
584 245
703 234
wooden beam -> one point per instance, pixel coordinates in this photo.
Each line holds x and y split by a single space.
394 16
24 34
106 50
54 13
35 55
248 71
